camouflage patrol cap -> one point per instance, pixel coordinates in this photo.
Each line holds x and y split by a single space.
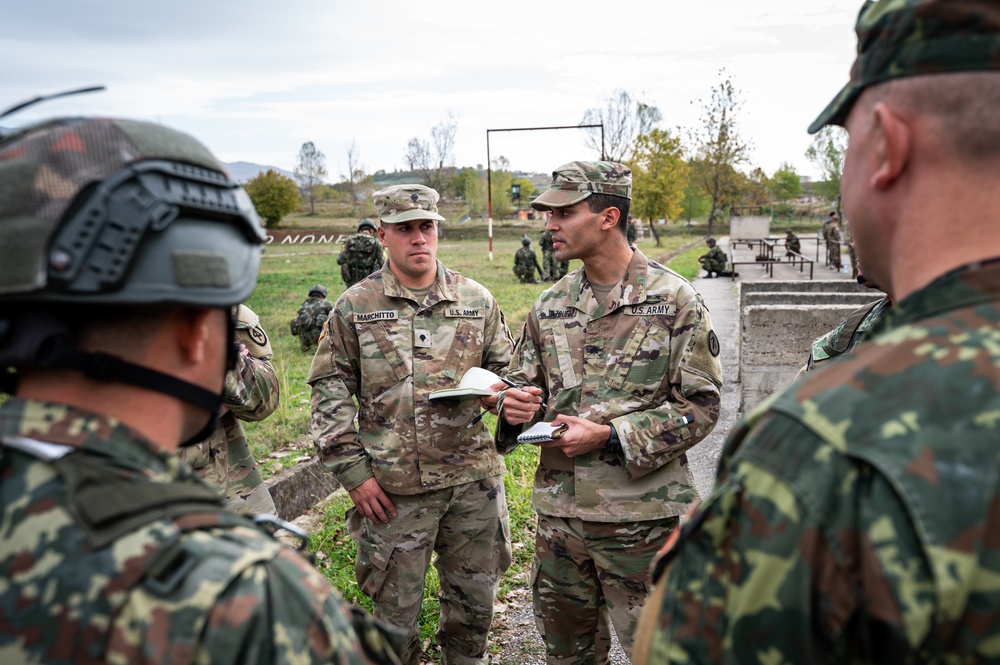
367 224
573 182
105 211
404 203
901 38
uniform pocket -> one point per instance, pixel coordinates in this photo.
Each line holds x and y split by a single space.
375 551
382 365
642 367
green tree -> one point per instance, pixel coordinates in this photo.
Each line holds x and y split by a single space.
827 152
501 182
695 202
786 183
273 195
310 169
755 188
470 186
720 148
659 176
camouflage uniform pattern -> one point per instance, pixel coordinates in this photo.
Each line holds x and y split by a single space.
70 597
575 181
792 244
525 264
392 351
854 517
714 259
362 255
632 232
224 460
851 332
646 361
309 322
831 234
550 267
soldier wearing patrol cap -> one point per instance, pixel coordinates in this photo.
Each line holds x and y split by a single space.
855 514
423 474
622 352
125 249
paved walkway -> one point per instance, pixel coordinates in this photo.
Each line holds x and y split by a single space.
722 298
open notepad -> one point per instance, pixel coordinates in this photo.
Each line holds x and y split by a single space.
542 432
475 382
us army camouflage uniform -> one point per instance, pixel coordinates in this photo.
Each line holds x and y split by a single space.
224 460
550 268
361 257
851 332
310 320
525 264
443 477
854 514
81 585
646 361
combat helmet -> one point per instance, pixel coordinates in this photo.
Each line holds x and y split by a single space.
710 239
525 240
102 212
318 290
367 223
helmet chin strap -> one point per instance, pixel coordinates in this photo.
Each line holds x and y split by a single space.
40 340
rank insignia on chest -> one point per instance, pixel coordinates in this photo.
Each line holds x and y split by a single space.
556 314
376 316
463 313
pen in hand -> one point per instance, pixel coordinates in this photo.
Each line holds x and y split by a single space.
483 413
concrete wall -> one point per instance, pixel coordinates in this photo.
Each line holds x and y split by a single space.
802 298
749 228
298 488
775 342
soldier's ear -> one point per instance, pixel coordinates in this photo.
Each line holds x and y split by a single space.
381 235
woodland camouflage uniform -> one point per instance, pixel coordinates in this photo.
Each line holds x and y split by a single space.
855 514
391 348
361 256
714 260
114 551
550 267
526 263
831 234
644 360
308 323
224 460
792 244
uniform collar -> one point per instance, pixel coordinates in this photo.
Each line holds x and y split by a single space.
630 291
442 289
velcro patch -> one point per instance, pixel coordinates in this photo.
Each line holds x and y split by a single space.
556 314
464 313
390 315
659 309
258 336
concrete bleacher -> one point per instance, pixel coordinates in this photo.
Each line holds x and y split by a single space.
779 321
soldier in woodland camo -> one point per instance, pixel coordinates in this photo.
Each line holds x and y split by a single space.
125 249
623 351
424 477
311 317
362 254
526 263
855 514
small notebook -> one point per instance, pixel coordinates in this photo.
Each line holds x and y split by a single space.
475 383
542 432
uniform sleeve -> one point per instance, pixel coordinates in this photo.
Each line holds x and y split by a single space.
654 437
335 376
525 368
284 611
251 390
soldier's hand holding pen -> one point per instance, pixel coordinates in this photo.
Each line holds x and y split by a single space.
520 403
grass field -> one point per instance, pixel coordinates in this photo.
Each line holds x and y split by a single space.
286 275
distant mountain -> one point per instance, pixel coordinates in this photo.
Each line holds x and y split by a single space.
245 171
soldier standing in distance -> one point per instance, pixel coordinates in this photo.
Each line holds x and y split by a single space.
854 517
550 269
424 478
525 263
623 352
120 333
362 254
831 234
251 393
313 312
632 231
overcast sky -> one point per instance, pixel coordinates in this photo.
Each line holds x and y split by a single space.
255 79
